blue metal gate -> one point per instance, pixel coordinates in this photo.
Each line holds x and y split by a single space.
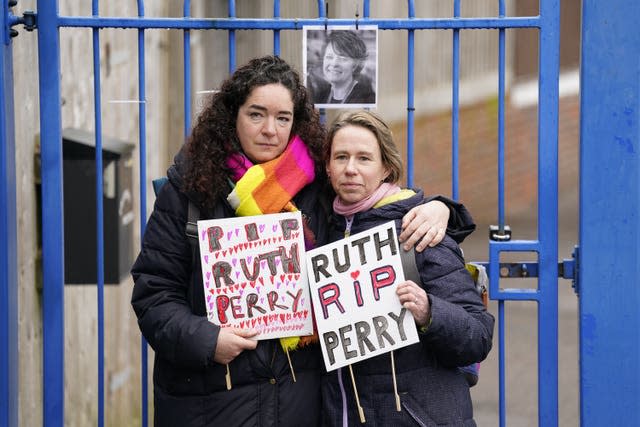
48 27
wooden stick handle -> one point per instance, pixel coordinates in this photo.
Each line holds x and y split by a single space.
293 373
395 383
355 390
228 378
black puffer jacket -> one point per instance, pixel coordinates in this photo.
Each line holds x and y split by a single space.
168 298
433 392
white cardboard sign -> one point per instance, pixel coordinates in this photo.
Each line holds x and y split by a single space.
353 288
254 274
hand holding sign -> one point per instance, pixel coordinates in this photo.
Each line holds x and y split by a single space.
414 298
232 342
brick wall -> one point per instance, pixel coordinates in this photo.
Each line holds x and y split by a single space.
478 140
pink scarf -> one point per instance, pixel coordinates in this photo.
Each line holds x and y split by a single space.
269 187
348 209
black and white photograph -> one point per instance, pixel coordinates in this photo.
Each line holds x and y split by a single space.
340 65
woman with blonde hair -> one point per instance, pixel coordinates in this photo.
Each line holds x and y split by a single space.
454 327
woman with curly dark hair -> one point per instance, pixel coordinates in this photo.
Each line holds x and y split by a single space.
261 118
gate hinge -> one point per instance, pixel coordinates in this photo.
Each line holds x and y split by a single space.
28 20
568 269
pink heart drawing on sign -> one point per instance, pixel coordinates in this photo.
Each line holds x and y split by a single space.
208 275
277 261
206 259
258 289
204 234
278 285
261 227
240 292
237 274
261 300
263 264
302 301
249 258
207 283
274 227
237 231
208 298
355 274
234 261
229 234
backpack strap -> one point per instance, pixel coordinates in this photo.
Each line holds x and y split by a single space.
191 228
409 265
193 215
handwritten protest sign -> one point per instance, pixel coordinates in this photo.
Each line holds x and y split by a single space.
252 274
353 288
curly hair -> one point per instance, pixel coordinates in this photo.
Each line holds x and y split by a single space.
214 135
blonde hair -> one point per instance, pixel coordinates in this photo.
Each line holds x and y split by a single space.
390 155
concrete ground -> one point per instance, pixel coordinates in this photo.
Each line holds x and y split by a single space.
521 332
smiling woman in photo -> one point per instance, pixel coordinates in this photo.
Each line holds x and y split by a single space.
343 81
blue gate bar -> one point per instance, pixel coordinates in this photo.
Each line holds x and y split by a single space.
99 212
276 33
296 24
455 105
549 60
502 387
501 73
186 52
9 390
232 38
410 96
142 131
53 221
609 268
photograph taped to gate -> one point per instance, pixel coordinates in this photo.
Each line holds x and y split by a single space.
340 65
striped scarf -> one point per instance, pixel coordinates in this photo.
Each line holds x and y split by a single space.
269 187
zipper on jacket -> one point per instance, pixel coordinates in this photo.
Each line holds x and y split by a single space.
343 395
413 415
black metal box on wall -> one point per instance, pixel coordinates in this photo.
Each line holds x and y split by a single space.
80 234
